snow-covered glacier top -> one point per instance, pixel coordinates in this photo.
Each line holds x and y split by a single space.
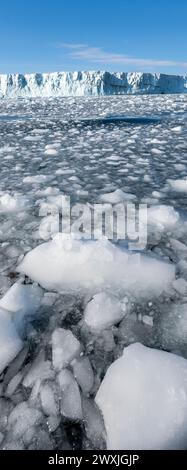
89 83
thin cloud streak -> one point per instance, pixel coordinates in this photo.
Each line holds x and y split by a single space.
97 54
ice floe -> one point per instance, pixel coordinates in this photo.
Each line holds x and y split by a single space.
143 398
78 264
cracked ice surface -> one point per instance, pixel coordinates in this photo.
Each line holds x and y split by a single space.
59 338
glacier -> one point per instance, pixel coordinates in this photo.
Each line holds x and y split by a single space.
89 83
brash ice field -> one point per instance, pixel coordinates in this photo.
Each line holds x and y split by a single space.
93 335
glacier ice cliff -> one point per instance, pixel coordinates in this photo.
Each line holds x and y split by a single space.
90 83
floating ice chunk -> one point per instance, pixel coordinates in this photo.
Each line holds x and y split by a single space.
65 347
13 445
49 404
10 343
16 365
6 407
117 197
71 406
179 185
83 373
37 179
32 138
22 301
22 418
171 327
13 384
156 151
22 298
51 151
147 320
49 191
103 311
176 129
182 268
78 264
42 441
13 203
164 217
93 422
143 398
40 370
53 422
179 167
180 285
34 399
178 247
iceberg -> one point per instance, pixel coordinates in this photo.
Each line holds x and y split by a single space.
89 83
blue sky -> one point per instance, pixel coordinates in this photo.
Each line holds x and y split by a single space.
119 35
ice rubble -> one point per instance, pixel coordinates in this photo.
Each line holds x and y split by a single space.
78 264
143 398
120 164
89 83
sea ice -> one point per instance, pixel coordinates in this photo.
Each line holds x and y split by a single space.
143 398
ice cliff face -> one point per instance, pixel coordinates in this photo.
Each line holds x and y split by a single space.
89 83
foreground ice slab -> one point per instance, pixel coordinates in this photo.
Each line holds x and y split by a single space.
143 398
75 264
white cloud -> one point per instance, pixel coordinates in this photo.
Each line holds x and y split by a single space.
99 55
